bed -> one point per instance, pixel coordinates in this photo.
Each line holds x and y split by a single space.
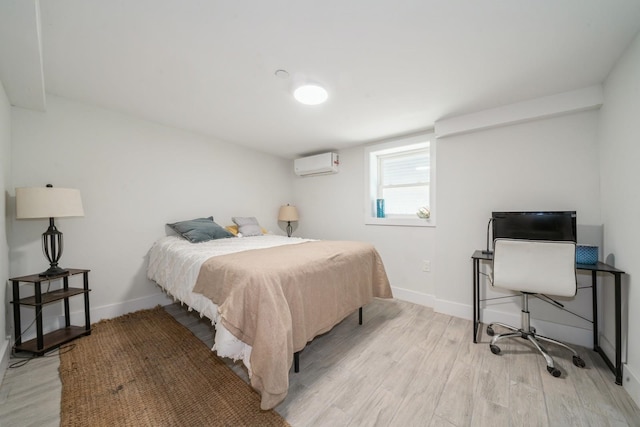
268 295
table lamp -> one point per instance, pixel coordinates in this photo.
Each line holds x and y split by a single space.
49 202
288 213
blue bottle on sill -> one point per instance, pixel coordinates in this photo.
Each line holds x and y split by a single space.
380 208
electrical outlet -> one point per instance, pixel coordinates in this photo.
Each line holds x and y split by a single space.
426 265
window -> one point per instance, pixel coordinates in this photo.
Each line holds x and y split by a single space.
401 176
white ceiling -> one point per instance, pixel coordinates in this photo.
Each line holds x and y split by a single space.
391 67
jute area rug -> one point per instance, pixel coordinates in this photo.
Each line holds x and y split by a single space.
146 369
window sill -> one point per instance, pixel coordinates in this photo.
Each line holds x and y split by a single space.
402 222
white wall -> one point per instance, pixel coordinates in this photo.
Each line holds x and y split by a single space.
134 176
5 185
546 164
619 160
332 207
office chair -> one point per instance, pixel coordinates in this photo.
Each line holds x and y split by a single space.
534 267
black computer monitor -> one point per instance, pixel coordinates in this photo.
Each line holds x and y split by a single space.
542 225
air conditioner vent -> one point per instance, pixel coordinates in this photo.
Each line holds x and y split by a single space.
320 164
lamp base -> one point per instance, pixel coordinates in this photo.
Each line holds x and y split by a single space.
52 245
53 271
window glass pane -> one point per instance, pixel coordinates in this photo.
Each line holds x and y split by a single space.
405 200
405 169
402 173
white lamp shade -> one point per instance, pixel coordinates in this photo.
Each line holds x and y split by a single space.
288 213
48 202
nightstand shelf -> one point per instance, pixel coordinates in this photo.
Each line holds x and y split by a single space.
46 342
52 296
52 340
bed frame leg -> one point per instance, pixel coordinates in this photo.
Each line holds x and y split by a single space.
296 355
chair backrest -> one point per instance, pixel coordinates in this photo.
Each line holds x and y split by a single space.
535 266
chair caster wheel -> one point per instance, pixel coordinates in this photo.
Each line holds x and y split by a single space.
553 371
578 362
494 349
490 331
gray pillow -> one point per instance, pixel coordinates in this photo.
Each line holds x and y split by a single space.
200 230
248 226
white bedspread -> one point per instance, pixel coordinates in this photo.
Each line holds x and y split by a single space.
174 264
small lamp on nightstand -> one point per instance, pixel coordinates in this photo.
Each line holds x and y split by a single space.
288 213
49 202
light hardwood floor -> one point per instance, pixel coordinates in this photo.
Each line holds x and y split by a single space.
405 366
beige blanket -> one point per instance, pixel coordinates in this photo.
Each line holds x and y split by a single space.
278 299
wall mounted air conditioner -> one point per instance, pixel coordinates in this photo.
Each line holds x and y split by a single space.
320 164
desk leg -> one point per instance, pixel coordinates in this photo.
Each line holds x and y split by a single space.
475 299
617 368
594 290
618 302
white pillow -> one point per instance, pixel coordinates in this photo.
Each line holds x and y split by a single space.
247 226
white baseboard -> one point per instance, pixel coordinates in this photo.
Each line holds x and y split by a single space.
440 306
608 348
455 309
413 296
5 352
114 310
566 333
630 379
631 383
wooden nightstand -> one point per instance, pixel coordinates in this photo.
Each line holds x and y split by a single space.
45 342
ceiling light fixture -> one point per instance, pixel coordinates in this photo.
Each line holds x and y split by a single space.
311 94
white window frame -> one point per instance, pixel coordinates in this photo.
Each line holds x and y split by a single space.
371 153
